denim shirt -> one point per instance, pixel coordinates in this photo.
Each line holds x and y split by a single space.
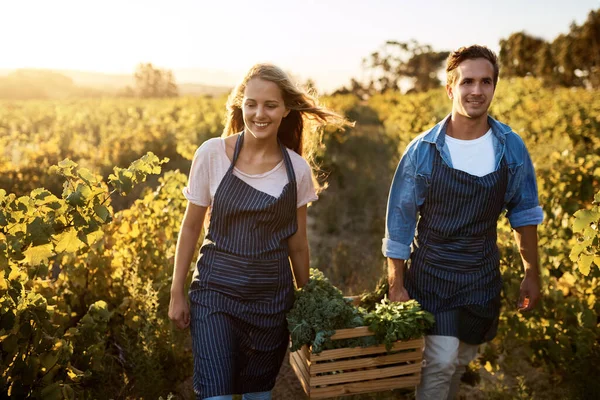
413 177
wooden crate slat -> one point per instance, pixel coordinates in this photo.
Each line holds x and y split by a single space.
303 356
301 371
364 375
365 387
360 331
306 354
328 355
318 368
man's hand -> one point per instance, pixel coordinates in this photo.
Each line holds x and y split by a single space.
529 294
397 291
399 294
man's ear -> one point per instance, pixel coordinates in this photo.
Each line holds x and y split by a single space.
450 92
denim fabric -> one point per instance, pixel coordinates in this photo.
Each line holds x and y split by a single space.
412 178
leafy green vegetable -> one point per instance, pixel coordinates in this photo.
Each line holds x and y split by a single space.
392 321
320 309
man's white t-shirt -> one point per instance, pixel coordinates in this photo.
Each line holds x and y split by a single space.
475 157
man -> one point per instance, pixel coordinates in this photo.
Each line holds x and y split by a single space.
458 177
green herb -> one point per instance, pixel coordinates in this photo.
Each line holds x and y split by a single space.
392 321
320 309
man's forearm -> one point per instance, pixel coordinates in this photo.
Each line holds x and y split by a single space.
396 272
527 241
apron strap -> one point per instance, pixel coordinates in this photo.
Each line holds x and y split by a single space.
289 168
238 147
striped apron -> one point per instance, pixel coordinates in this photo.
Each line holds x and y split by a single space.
455 264
243 287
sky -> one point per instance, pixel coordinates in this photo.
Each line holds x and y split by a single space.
323 40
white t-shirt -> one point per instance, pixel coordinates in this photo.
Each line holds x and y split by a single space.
210 164
475 157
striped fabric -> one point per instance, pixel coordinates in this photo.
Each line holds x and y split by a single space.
454 271
243 287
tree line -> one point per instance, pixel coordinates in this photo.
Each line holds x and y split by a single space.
570 60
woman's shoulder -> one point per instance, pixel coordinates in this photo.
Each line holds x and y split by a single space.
210 148
301 166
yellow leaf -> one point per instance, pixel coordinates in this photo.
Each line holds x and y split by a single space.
597 260
87 176
94 237
584 263
3 282
35 255
488 367
69 242
583 219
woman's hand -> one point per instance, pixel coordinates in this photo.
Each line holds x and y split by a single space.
179 310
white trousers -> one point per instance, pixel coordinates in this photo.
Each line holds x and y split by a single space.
446 359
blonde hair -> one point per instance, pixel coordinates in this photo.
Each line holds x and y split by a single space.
304 108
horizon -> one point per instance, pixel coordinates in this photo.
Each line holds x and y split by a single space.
187 37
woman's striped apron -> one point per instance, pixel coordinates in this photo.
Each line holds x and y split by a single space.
243 287
454 270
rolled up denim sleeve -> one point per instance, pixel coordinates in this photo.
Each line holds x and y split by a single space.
524 208
401 217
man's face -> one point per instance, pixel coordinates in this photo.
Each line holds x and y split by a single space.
473 90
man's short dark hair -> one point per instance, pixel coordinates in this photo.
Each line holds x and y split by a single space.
470 53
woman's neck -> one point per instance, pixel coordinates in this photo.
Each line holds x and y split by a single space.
260 149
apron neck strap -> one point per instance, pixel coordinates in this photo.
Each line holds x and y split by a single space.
289 168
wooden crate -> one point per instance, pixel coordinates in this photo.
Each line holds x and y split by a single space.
359 369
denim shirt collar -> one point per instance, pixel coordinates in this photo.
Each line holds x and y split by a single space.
437 136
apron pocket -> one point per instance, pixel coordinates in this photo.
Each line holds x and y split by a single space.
244 278
456 253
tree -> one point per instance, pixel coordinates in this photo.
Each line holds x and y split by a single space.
397 62
521 55
571 60
579 55
154 82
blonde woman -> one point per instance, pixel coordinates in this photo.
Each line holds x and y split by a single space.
256 185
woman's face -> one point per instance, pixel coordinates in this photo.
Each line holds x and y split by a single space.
263 108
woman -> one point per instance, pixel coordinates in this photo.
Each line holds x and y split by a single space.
256 186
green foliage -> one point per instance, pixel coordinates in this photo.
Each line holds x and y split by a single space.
569 60
46 353
587 250
98 135
319 309
392 321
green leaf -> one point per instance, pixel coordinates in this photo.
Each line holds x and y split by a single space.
87 176
35 255
10 344
52 392
68 242
597 198
39 232
101 211
93 237
584 263
583 219
576 251
75 199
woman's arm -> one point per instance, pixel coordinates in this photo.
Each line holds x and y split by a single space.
191 226
299 252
